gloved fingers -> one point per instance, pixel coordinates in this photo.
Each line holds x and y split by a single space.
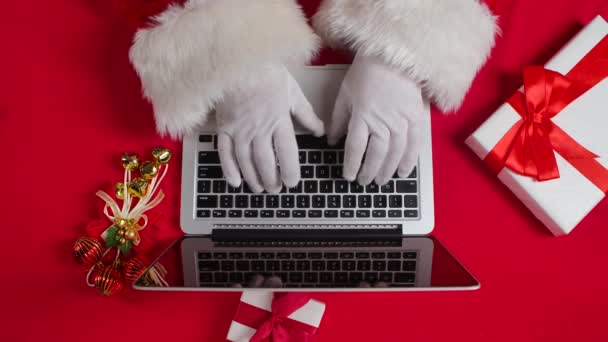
338 122
396 149
227 154
302 110
266 164
410 157
375 156
273 282
356 142
286 147
244 157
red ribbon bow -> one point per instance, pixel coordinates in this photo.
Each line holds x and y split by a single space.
528 147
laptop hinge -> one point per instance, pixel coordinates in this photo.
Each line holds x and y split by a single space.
307 235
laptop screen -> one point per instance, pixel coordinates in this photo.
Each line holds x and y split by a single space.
403 264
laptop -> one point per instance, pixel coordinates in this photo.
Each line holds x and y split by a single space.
326 234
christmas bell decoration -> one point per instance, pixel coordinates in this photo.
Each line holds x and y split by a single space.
108 281
130 161
149 170
87 251
138 187
162 155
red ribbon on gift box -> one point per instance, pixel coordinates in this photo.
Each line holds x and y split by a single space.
528 147
275 325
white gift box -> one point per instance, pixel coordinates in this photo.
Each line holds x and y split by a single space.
563 202
310 314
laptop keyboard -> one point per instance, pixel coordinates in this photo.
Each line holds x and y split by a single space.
309 269
322 193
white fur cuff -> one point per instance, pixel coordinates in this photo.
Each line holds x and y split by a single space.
196 52
441 44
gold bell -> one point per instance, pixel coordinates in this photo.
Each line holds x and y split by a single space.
162 155
130 161
149 169
138 187
119 190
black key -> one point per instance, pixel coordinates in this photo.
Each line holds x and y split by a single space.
249 276
347 213
314 157
206 277
394 265
297 189
220 255
386 277
410 201
283 213
365 201
288 201
205 138
410 213
326 187
355 277
303 201
315 213
403 277
378 255
414 174
318 201
272 201
333 201
283 255
220 277
307 171
241 201
331 213
379 213
372 188
341 187
395 201
336 172
282 275
310 277
227 265
362 255
348 265
251 213
242 265
356 188
322 171
394 213
219 213
203 213
252 255
257 201
379 265
349 201
210 172
340 157
233 190
267 255
393 255
299 213
236 278
407 187
364 265
318 265
340 277
347 255
363 213
330 157
315 255
311 187
370 277
308 142
204 256
207 202
409 255
246 189
298 255
333 265
379 201
267 214
303 265
273 265
288 265
325 277
302 156
235 214
330 255
203 187
208 266
215 141
388 188
296 277
409 265
208 157
226 201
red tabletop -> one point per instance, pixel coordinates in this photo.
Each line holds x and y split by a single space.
70 104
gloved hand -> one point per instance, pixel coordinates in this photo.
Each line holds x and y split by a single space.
381 109
254 117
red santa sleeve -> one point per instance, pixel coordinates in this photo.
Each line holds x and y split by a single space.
441 44
189 54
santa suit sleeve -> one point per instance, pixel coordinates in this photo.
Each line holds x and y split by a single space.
191 53
441 44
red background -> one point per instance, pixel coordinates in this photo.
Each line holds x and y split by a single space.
70 104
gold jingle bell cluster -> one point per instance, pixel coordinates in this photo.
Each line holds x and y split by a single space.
148 170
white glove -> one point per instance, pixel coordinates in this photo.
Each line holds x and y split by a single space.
253 116
385 109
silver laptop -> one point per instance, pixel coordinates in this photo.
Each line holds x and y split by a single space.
325 234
